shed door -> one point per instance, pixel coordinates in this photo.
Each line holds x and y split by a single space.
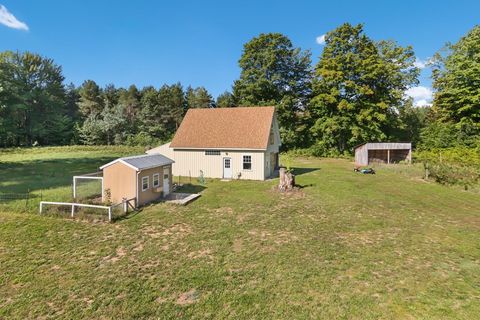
166 181
227 168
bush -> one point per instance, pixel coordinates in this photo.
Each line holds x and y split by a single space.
142 139
452 166
448 135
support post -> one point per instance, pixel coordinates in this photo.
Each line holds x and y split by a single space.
388 156
73 209
74 188
125 205
109 214
41 207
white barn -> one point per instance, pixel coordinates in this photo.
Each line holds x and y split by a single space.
225 143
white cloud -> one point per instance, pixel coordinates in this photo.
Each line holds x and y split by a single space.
422 103
321 39
421 64
422 96
8 19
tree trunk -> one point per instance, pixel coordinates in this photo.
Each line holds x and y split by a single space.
287 180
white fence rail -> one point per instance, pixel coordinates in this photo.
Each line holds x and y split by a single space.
126 203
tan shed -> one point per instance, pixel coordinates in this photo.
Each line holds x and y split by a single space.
383 152
146 178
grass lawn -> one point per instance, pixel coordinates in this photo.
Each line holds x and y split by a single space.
346 246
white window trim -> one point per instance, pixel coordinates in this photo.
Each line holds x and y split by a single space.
148 183
251 162
158 180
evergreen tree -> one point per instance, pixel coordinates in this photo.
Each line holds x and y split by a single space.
198 98
90 101
226 99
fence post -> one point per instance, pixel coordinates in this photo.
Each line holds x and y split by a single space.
73 209
74 188
125 205
110 213
41 207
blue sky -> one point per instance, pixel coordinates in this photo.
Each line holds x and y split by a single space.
200 42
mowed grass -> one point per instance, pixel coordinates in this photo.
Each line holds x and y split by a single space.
47 172
346 246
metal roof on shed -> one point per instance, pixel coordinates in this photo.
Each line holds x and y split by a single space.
142 162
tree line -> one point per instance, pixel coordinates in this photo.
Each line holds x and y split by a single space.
355 93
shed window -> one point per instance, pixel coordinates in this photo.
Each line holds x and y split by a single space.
271 139
156 180
144 183
212 152
247 162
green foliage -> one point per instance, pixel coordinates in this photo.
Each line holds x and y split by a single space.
143 139
32 101
274 72
198 98
452 166
358 88
225 100
410 123
446 135
456 78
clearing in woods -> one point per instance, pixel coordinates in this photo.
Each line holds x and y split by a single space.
345 246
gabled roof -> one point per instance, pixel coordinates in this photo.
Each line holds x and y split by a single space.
142 162
225 128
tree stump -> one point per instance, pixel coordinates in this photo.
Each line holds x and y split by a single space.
287 180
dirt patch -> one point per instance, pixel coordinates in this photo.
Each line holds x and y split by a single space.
280 237
188 297
237 245
204 253
222 210
371 237
138 247
177 230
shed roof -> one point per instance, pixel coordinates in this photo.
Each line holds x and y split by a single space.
229 128
385 145
142 162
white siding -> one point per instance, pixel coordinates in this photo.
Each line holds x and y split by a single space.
190 162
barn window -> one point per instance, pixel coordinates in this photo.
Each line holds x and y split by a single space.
156 180
212 152
271 139
144 183
247 162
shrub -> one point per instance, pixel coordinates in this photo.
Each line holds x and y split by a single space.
452 166
142 139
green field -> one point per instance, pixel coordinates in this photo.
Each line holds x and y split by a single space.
345 246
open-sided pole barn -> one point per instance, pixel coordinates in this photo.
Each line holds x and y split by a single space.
383 152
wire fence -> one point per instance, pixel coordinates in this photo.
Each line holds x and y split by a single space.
19 200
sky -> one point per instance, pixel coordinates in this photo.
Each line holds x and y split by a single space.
199 43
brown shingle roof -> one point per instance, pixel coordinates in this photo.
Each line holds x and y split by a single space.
242 127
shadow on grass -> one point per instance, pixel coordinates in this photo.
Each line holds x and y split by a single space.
297 171
190 188
44 174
